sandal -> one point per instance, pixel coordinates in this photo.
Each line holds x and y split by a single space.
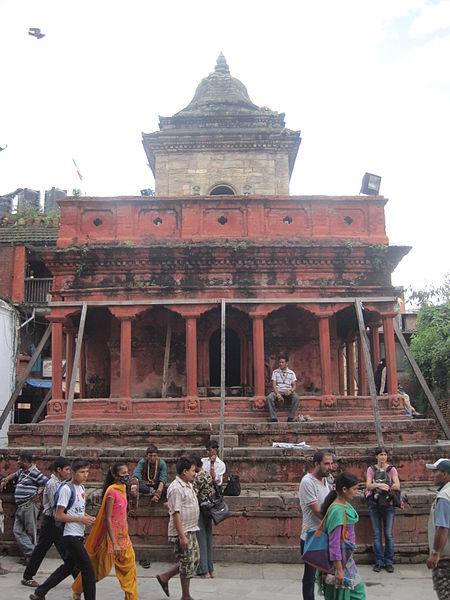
145 563
164 585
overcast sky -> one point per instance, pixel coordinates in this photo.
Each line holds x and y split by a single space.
366 82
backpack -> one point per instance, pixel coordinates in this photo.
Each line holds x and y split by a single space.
60 524
382 498
233 487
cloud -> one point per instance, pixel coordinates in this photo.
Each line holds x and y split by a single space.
431 19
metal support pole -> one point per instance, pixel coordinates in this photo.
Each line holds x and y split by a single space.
25 376
222 378
370 378
73 380
423 383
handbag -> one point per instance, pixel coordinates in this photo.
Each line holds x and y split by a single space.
316 549
233 487
217 509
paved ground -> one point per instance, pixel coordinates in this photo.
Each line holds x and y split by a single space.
233 581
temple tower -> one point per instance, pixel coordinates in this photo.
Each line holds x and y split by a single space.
222 144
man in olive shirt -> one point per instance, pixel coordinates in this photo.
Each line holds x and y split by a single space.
438 529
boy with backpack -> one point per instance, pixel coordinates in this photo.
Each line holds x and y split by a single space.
70 511
49 533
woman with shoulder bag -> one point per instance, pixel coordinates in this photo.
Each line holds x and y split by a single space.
339 523
205 490
381 481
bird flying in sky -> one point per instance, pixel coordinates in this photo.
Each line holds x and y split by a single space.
36 32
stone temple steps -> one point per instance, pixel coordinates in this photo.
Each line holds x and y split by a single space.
265 521
245 434
237 409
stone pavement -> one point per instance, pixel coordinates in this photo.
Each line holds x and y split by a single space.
233 581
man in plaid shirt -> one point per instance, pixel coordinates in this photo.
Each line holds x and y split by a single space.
183 523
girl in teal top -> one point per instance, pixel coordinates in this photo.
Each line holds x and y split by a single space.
340 512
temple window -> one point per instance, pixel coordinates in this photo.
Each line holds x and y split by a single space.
222 190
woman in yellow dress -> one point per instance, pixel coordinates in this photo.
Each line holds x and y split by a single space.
108 542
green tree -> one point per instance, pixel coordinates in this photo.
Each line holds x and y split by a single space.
430 344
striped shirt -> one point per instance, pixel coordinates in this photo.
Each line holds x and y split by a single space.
48 499
284 379
182 499
28 483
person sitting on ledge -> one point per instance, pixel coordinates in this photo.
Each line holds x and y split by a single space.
150 475
284 383
149 479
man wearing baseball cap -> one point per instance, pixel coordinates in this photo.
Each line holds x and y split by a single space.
438 529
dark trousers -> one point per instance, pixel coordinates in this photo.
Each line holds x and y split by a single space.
77 557
145 489
309 578
48 535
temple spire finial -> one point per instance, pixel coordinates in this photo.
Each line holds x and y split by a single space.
221 65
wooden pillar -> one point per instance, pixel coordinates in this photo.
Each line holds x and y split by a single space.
362 374
374 343
389 348
83 370
57 353
70 355
325 355
191 356
350 354
341 369
125 357
258 355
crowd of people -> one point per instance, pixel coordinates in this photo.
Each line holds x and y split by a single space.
325 497
64 520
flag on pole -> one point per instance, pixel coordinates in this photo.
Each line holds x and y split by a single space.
78 170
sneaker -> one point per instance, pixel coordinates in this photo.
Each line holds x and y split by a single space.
390 568
290 420
273 420
377 568
29 583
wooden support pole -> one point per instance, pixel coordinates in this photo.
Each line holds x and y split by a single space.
73 379
370 378
431 399
222 379
26 374
167 355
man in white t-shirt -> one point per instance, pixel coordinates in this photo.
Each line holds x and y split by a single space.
314 488
70 510
284 382
212 463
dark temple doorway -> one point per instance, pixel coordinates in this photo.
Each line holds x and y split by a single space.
232 359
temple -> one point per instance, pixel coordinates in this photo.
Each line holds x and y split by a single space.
221 226
155 274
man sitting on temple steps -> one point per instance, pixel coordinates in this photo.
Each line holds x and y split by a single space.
284 383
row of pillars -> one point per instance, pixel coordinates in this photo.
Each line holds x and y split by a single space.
191 315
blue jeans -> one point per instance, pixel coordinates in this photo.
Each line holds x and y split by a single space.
383 515
205 544
309 578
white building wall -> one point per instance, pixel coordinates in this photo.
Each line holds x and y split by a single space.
9 324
